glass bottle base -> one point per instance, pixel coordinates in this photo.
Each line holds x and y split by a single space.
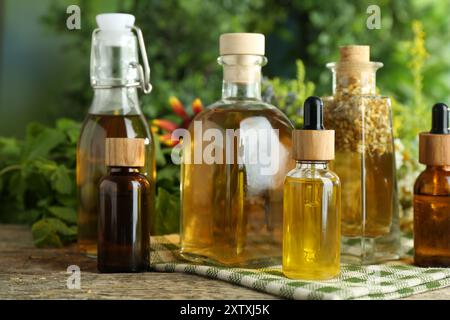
236 263
88 248
365 250
122 269
310 275
432 261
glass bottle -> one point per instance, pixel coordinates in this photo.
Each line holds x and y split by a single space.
124 209
365 158
232 204
312 202
114 112
432 194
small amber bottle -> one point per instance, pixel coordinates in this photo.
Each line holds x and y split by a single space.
125 195
432 194
312 202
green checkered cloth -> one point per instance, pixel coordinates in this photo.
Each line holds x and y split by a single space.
382 281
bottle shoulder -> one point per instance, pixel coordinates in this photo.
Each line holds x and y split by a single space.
123 182
234 111
433 181
242 105
100 126
299 175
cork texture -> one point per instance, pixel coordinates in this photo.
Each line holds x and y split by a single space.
125 152
354 53
314 145
434 149
242 43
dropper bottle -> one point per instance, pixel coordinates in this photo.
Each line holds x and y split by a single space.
312 202
124 208
432 194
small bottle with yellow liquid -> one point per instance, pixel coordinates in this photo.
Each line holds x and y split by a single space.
312 202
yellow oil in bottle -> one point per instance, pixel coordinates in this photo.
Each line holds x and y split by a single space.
311 225
231 213
91 167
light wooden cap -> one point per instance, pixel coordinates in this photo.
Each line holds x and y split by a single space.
354 53
242 43
313 145
125 152
434 149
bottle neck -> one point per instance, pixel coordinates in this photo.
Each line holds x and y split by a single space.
242 76
122 170
313 165
114 73
114 59
233 90
116 101
354 79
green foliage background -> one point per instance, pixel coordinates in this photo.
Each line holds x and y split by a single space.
37 173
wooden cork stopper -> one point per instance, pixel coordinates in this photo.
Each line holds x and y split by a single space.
434 149
242 43
125 152
354 53
313 145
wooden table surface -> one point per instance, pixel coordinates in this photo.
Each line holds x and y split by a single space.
27 272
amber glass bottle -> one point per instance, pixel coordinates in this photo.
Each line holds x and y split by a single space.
432 195
114 112
232 206
124 204
312 203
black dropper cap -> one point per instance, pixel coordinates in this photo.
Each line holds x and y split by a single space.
440 119
313 114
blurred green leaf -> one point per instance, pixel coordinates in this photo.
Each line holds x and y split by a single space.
167 212
9 148
43 143
68 215
61 181
70 127
51 232
160 159
45 234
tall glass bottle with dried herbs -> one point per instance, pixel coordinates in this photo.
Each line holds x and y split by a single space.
234 164
432 194
365 158
114 113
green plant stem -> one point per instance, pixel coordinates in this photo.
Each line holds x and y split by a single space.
10 168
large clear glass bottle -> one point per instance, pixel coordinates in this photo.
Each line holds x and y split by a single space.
114 113
365 158
232 209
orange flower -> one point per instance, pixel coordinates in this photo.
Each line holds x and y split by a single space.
168 126
197 106
166 139
165 124
178 108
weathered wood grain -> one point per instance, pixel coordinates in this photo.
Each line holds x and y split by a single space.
27 272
